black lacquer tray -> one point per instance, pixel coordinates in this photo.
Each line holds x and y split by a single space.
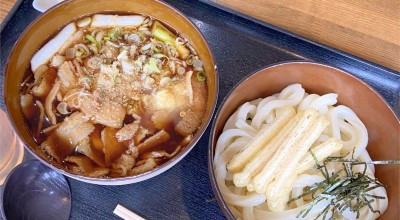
241 46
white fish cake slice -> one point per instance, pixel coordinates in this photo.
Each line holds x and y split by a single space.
45 53
100 20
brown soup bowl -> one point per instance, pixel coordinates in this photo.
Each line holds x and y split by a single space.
381 122
46 25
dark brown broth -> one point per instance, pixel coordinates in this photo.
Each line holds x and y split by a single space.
32 123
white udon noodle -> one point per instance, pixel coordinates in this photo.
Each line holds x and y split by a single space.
238 130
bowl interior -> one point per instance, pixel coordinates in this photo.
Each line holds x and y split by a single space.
381 122
50 22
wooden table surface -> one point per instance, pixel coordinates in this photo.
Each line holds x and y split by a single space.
368 29
5 7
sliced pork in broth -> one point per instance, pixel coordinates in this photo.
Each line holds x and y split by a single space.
113 95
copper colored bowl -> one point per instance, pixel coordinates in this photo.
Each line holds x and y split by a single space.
381 122
50 22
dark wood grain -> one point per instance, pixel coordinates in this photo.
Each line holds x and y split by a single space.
368 29
5 7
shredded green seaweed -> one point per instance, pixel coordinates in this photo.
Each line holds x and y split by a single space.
348 191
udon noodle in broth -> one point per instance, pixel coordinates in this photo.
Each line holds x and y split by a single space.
295 155
114 95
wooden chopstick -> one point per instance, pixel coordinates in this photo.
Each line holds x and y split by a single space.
126 214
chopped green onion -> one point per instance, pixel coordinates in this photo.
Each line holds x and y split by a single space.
197 64
159 56
116 78
93 48
199 69
78 53
153 65
155 49
190 60
94 41
114 34
162 33
201 76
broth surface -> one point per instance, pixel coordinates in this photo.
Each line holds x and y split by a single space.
120 95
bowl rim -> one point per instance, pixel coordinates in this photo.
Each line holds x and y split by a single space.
210 155
128 179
